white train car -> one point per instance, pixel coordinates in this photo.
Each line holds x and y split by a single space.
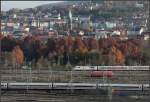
4 85
84 68
111 68
29 85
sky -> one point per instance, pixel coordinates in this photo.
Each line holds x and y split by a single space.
7 5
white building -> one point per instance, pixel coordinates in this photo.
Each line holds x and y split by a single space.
110 24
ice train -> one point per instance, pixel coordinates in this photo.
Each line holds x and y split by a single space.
75 86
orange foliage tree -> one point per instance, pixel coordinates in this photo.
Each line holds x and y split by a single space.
18 55
119 57
80 46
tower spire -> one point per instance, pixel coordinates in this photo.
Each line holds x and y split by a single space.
70 18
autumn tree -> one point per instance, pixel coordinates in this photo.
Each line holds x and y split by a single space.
119 57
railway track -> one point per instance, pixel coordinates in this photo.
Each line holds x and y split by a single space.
47 76
42 96
125 77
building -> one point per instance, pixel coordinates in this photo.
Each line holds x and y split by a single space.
145 35
47 23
